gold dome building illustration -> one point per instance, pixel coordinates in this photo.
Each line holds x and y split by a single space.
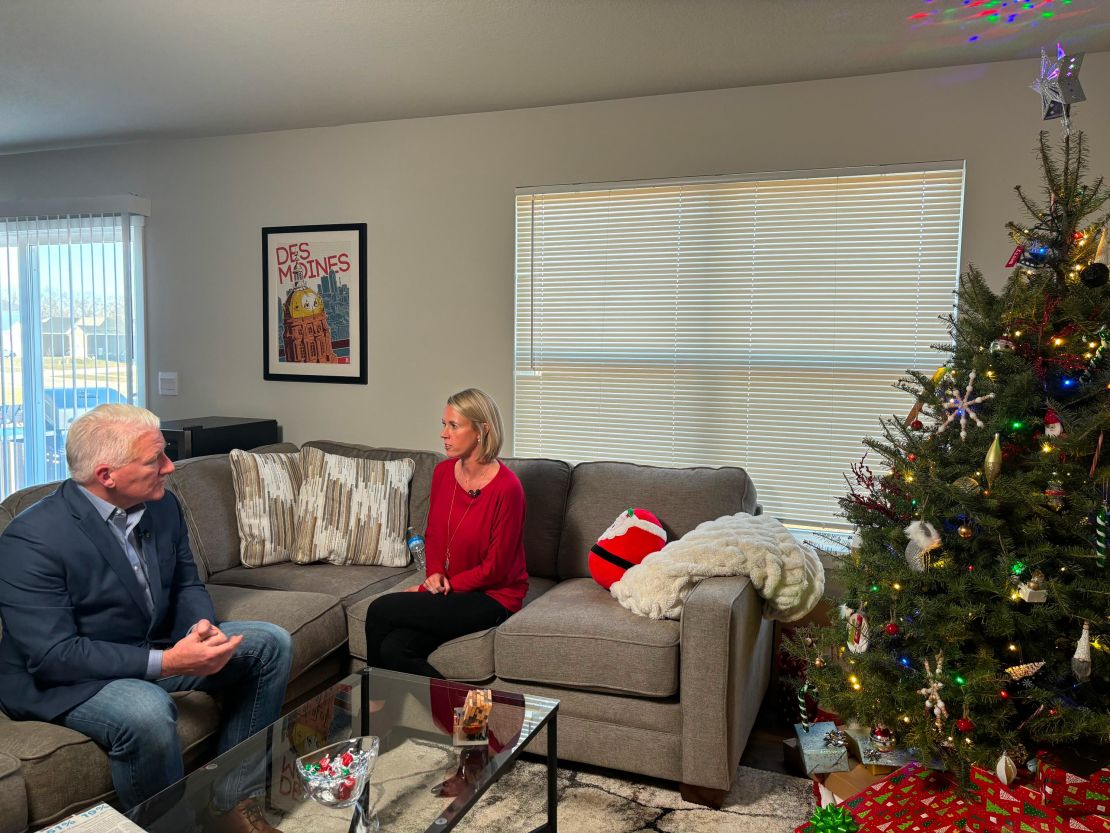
306 336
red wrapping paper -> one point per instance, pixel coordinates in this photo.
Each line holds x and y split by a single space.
1070 794
912 800
1019 807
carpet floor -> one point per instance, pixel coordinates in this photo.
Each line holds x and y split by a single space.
591 800
598 801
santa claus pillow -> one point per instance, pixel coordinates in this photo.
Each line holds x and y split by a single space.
634 535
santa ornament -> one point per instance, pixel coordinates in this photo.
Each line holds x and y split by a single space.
1052 425
634 535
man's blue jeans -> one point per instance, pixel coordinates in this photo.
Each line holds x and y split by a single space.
135 721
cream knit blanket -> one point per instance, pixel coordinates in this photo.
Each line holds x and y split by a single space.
787 574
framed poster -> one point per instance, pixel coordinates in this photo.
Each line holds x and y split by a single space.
314 303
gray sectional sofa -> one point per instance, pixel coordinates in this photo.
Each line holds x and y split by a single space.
674 700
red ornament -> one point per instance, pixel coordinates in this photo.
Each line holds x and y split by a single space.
1004 694
917 425
892 628
965 725
912 458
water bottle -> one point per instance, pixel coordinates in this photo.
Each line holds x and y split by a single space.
415 542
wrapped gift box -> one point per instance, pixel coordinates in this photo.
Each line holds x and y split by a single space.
1072 793
811 754
1018 807
838 787
912 800
859 744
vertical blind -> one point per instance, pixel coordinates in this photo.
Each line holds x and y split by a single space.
70 331
757 321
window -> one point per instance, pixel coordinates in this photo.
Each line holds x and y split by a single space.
757 321
70 332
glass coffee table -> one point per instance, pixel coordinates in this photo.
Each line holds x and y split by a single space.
422 780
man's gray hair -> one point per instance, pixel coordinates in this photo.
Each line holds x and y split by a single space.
106 434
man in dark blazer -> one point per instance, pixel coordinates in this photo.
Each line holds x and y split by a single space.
105 615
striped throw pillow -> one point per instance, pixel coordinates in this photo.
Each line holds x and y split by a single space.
266 488
352 510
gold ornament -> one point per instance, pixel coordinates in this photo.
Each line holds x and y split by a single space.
992 463
819 663
968 485
965 532
1020 672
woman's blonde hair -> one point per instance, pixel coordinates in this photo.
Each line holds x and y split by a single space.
106 434
479 407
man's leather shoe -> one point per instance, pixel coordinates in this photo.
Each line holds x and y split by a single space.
246 817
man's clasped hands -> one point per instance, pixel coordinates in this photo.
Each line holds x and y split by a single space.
202 652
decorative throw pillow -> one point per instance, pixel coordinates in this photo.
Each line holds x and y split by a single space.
632 537
266 488
352 510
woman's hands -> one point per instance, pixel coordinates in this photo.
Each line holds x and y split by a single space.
437 583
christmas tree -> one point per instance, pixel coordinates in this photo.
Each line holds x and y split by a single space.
975 622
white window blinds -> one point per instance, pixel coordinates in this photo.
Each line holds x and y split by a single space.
71 332
756 321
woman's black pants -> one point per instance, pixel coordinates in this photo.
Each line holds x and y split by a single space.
403 629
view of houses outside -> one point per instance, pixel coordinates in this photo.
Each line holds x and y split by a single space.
65 343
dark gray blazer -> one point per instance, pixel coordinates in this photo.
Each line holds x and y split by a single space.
75 618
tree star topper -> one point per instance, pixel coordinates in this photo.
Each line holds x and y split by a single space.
959 405
1058 86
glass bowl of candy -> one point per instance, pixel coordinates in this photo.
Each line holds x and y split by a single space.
336 775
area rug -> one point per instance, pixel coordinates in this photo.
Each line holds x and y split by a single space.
596 801
591 800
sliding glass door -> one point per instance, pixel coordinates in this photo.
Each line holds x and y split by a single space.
70 333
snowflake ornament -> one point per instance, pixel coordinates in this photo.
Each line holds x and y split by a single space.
959 406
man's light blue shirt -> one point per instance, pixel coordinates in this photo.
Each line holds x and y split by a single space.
122 526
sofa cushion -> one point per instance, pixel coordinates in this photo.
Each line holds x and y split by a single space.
207 496
420 487
16 502
266 488
64 770
681 498
314 620
545 483
352 510
13 795
470 658
347 583
577 636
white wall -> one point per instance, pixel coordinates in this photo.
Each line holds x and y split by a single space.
438 197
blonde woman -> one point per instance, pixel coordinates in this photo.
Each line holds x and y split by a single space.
475 576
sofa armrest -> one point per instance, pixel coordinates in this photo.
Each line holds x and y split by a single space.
13 790
726 665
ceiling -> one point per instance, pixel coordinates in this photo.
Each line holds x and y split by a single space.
79 72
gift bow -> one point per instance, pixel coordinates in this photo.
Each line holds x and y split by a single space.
832 819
